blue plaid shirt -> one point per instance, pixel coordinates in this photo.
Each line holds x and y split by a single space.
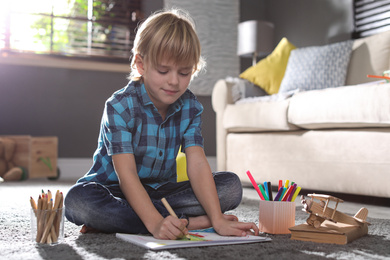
132 124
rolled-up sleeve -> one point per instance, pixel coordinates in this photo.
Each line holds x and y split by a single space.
193 134
117 125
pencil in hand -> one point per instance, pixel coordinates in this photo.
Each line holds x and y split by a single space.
170 210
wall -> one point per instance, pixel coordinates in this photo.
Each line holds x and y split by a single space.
251 10
217 36
311 22
67 103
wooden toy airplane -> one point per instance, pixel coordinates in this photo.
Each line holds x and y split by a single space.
319 211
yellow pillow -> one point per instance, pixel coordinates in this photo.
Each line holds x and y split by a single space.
269 72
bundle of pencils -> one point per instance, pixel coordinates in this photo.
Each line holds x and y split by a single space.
48 216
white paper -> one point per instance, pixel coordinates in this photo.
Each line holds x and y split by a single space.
206 239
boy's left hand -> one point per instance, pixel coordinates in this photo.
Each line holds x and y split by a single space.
232 227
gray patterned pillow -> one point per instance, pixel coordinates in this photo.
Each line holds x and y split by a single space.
317 67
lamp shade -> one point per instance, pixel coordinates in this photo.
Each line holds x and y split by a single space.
255 38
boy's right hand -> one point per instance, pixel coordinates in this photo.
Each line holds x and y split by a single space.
171 228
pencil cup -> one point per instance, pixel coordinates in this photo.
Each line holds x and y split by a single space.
47 226
275 217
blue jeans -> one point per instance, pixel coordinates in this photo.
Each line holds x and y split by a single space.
105 208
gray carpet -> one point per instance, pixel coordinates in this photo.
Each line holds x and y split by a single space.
15 241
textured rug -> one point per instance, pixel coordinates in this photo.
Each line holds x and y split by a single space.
15 237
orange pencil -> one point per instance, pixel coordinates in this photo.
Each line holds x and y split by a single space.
33 205
378 77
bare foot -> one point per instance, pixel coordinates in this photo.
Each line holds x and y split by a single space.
86 229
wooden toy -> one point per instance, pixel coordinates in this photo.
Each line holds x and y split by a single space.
320 211
9 170
32 157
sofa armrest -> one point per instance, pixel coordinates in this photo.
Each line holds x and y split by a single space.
221 97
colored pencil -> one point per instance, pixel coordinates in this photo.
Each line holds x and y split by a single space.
170 210
265 196
279 194
269 191
378 77
255 185
287 193
298 189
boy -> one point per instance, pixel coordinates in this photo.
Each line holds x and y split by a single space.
142 128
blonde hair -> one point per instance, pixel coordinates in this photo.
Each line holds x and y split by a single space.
167 35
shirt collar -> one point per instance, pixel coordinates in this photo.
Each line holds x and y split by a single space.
143 94
146 101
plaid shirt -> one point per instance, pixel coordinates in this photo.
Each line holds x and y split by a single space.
132 124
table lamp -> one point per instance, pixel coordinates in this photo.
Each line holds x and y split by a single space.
255 38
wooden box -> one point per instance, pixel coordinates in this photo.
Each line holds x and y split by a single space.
37 155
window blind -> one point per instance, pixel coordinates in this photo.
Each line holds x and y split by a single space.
371 17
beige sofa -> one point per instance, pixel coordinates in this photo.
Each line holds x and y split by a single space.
328 140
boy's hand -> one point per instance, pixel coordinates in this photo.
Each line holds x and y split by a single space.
231 227
171 228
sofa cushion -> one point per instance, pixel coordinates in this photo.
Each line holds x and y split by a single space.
317 67
370 55
257 117
343 107
268 72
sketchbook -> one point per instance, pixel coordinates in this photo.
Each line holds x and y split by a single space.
197 239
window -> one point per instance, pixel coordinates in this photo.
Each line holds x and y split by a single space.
79 28
371 17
